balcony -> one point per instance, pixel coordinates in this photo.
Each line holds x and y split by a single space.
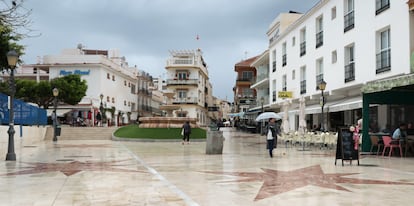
303 48
382 5
349 21
303 87
383 61
349 72
319 79
319 39
185 100
244 81
171 82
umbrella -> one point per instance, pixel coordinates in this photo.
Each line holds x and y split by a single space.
302 121
285 120
268 115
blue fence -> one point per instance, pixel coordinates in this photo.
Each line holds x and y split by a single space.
24 114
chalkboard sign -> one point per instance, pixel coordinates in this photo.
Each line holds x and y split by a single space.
345 146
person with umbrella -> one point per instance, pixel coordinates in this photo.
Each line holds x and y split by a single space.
272 131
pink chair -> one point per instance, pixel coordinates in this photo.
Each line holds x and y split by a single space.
390 143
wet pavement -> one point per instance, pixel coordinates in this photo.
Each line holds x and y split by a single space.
103 172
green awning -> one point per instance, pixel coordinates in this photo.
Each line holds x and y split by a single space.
389 83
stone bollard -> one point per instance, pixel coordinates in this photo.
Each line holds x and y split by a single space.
214 142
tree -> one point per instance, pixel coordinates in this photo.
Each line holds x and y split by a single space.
71 90
14 25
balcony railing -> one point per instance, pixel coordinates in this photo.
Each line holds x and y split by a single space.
185 100
383 61
284 60
319 39
349 72
319 79
382 5
182 81
303 87
261 77
303 48
349 21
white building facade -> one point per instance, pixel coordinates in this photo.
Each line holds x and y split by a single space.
188 80
105 72
345 43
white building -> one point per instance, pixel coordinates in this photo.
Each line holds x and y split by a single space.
188 80
105 72
346 43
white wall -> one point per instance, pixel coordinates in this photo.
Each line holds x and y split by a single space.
30 135
363 36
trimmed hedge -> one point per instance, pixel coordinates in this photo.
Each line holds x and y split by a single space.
133 131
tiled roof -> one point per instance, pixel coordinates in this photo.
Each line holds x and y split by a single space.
247 62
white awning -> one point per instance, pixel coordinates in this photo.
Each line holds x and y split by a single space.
346 104
59 112
336 106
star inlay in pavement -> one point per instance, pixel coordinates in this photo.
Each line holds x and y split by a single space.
70 168
276 182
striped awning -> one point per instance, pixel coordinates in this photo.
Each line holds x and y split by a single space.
388 84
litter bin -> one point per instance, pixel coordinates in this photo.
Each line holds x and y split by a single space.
214 142
58 130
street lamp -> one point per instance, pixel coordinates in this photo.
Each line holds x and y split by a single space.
261 125
55 95
12 58
322 86
101 109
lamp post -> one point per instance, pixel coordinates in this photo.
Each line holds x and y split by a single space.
261 125
55 95
101 109
322 86
12 58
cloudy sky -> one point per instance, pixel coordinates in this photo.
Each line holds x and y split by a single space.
145 31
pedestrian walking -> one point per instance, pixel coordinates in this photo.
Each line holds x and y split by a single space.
99 118
186 131
272 131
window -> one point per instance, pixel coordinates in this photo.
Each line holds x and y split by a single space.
293 74
125 103
181 94
113 77
293 41
247 92
349 15
333 13
182 75
274 60
284 55
113 100
274 90
303 80
319 72
334 57
381 5
302 42
108 99
125 83
349 64
284 83
247 76
319 31
108 76
384 53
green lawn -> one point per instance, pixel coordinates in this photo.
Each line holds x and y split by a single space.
133 131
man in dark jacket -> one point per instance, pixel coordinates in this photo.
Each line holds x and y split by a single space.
272 130
186 132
